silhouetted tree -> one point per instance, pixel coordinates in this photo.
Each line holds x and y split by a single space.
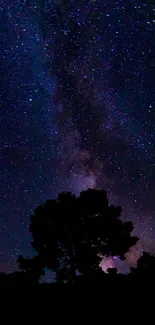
18 280
144 273
32 266
71 234
112 271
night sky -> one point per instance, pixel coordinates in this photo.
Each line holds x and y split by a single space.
77 110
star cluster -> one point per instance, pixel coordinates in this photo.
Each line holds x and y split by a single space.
77 111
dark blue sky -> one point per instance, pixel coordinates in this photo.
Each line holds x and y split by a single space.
77 102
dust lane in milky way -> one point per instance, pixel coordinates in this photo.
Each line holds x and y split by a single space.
77 111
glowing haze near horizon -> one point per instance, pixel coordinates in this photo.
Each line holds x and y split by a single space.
77 104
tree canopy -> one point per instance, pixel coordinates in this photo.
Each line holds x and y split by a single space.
72 234
144 273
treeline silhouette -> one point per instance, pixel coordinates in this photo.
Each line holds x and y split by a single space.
71 235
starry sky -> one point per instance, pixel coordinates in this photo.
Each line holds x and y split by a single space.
77 110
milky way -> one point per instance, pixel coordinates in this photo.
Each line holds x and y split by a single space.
77 102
